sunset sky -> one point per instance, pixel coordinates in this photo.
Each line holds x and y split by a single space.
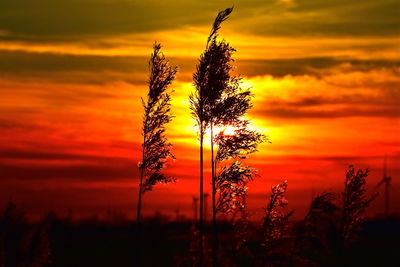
325 75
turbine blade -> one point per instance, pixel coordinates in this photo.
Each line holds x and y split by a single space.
380 183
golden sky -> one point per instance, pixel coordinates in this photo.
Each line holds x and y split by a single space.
325 74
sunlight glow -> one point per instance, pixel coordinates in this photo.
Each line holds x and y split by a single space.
227 130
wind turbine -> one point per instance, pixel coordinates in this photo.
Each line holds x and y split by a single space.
385 180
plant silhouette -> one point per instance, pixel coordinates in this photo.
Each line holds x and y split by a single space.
219 101
156 150
275 226
354 203
232 174
210 80
317 238
276 218
270 244
333 223
22 244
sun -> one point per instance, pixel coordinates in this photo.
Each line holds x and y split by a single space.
227 130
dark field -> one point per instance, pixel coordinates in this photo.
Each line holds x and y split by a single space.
89 242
